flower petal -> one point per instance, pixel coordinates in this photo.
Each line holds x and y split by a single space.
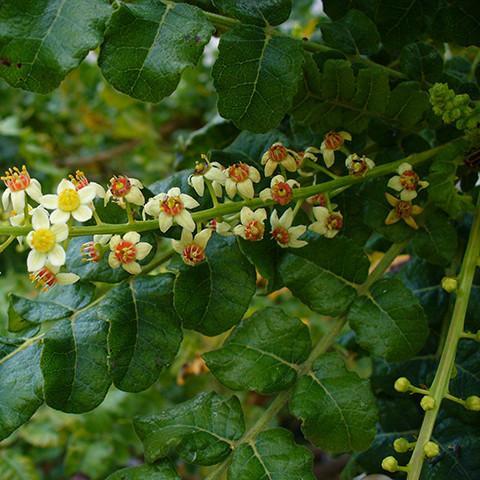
18 200
114 241
404 167
395 184
64 185
133 237
143 249
49 201
245 189
6 198
164 221
328 157
290 164
320 213
198 184
188 201
82 213
36 260
286 219
57 256
408 195
34 190
270 167
113 261
133 268
203 237
135 196
392 218
230 187
87 194
185 220
67 278
59 216
254 174
40 219
61 232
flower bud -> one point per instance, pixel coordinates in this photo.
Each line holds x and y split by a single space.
449 284
401 445
402 385
427 403
431 449
473 403
390 464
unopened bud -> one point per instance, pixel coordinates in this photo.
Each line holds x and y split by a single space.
427 403
401 445
431 449
402 385
449 284
473 403
390 464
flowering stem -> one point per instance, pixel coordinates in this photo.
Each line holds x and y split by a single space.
439 388
158 261
130 218
309 163
6 243
213 196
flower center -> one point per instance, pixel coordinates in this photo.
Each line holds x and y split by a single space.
68 200
125 252
358 166
172 206
409 180
282 193
16 180
334 222
238 172
254 230
278 153
120 186
403 209
43 240
200 168
91 252
79 180
193 254
281 235
333 140
44 279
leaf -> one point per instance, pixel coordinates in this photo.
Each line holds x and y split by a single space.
256 77
159 471
421 61
200 430
324 274
14 466
354 33
55 304
145 332
20 387
42 40
273 454
259 12
223 287
407 104
148 45
389 322
336 407
259 355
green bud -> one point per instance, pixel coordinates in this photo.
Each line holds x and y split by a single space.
427 403
401 445
431 449
402 385
390 464
473 403
449 284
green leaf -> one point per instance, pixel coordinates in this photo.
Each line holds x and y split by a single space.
420 61
214 296
148 44
273 454
14 466
55 304
407 104
354 33
256 76
20 387
159 471
145 332
259 355
42 40
337 408
258 12
200 430
324 274
389 322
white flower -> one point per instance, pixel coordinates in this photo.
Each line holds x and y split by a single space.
222 228
277 155
358 166
123 189
407 182
240 178
126 250
19 184
49 276
280 191
328 223
192 249
93 251
69 202
172 207
80 181
252 227
210 171
283 232
333 141
44 241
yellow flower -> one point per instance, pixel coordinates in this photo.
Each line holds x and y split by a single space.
402 210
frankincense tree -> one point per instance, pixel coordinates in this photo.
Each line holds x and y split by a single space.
364 138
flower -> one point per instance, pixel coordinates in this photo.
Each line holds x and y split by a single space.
358 166
320 199
192 249
252 227
48 276
222 228
44 241
210 171
283 232
278 154
240 177
80 181
333 141
407 182
123 189
19 184
280 191
69 202
126 250
171 207
327 223
93 251
402 210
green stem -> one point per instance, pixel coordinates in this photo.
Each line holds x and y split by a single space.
158 261
130 218
439 388
311 164
213 195
6 243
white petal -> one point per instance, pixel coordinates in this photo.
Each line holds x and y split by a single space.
59 216
143 249
295 243
277 179
152 207
133 237
114 241
188 201
286 219
102 239
34 190
215 175
270 167
49 201
36 260
135 196
133 267
136 183
318 227
87 194
274 222
174 192
203 237
217 188
321 213
61 232
246 215
254 174
260 215
64 185
6 198
29 239
245 189
290 164
345 135
297 231
67 278
186 237
395 183
178 246
82 213
40 219
113 261
164 222
198 184
239 230
328 157
408 195
404 167
265 194
185 220
18 200
57 256
230 187
99 190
